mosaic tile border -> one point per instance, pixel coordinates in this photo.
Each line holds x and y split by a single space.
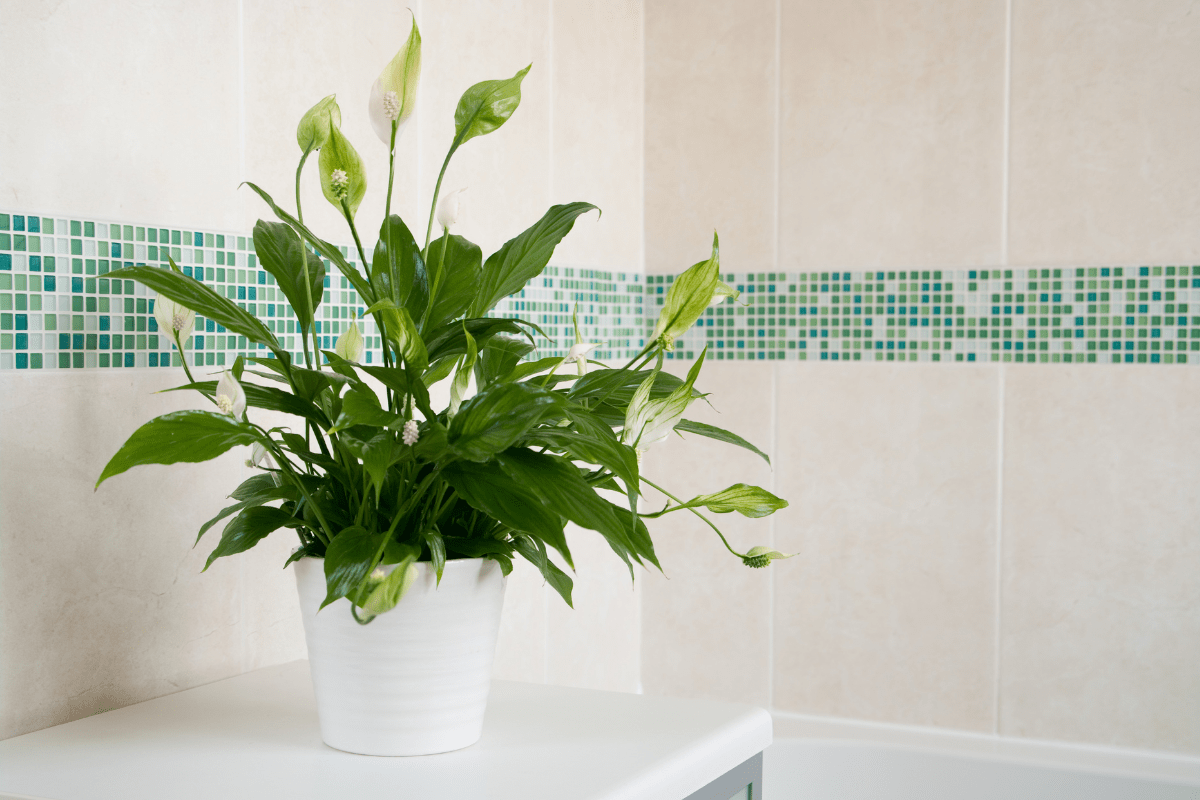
58 311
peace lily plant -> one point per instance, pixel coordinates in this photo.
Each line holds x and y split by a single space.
367 480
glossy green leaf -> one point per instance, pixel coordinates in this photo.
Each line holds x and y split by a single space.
201 299
437 552
450 339
721 435
329 251
617 386
498 417
360 406
476 548
378 454
190 436
535 553
256 498
397 269
488 488
401 382
688 297
265 397
248 529
525 369
499 357
486 106
348 559
453 279
523 258
283 255
749 501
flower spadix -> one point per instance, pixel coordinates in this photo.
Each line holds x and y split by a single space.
174 320
761 556
350 344
313 131
230 397
691 293
394 93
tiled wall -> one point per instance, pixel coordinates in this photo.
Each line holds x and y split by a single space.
996 547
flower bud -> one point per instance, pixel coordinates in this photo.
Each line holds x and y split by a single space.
313 131
350 344
760 556
450 209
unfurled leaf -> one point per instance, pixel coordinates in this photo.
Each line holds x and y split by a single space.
249 528
258 497
486 106
713 432
348 560
190 436
749 501
360 406
499 357
284 256
523 258
534 552
496 418
455 266
397 269
687 298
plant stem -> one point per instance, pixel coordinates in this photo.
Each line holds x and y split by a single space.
387 208
697 513
438 188
437 279
183 358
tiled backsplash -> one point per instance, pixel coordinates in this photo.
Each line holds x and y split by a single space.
58 311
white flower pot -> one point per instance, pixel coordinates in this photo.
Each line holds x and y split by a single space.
415 680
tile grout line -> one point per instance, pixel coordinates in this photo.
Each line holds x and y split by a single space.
775 367
1004 181
242 176
550 190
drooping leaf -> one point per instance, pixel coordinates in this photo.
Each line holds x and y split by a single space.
749 501
535 553
524 257
397 269
348 559
453 278
496 418
283 254
190 436
489 489
266 397
356 278
721 435
437 552
258 498
248 529
201 299
486 106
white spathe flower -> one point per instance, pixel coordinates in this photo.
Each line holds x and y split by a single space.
350 344
578 355
231 398
450 209
649 421
411 433
260 457
394 94
174 320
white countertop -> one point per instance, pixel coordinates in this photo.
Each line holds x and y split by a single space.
256 736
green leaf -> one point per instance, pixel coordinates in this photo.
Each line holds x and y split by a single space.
560 487
721 435
282 254
190 436
453 278
535 553
437 552
617 386
360 406
249 528
201 299
462 378
397 269
532 368
749 501
489 489
313 130
377 453
450 339
255 484
476 548
401 332
265 397
486 106
499 357
385 595
403 383
687 298
257 498
523 258
309 382
348 559
360 284
496 418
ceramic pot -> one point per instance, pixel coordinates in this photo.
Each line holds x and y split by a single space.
415 680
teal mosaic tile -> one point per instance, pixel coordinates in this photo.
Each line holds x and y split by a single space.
58 311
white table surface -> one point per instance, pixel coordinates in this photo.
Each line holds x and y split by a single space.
256 736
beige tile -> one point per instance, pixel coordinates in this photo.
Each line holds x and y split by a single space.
506 172
891 139
887 613
296 54
595 644
100 592
1103 162
710 133
121 114
1101 624
706 619
597 129
521 647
